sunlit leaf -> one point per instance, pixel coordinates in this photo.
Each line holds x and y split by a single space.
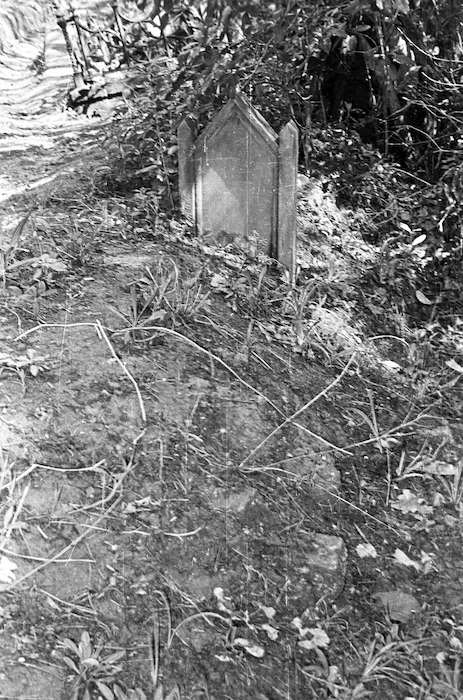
7 569
454 365
272 633
419 240
405 227
105 690
85 645
391 366
422 298
69 662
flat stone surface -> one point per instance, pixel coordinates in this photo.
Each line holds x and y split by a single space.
231 501
322 570
320 472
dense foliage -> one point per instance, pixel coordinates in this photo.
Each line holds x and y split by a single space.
389 70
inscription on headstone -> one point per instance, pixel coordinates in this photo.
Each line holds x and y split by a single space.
237 181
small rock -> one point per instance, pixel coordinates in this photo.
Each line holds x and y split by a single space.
321 474
201 585
232 501
329 553
198 634
323 569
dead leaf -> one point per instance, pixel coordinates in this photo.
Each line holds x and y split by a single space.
223 603
272 633
366 550
408 502
319 639
268 611
401 558
438 468
427 562
253 649
422 298
454 365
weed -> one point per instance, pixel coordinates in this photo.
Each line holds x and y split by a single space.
453 484
381 443
450 683
78 245
297 304
28 277
11 247
21 365
162 297
94 672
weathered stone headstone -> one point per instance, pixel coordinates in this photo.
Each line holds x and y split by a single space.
237 181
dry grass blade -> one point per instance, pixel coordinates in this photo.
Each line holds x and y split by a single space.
17 235
155 652
56 557
5 254
12 516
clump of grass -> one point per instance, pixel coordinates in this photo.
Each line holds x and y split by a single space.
162 296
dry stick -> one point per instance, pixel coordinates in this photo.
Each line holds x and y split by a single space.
203 616
101 334
361 510
79 608
41 326
389 433
16 513
175 334
130 466
210 354
290 419
15 480
56 558
94 468
29 557
75 542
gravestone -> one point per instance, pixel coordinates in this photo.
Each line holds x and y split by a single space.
237 181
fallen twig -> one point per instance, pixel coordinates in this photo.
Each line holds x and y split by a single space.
101 334
290 419
212 356
56 557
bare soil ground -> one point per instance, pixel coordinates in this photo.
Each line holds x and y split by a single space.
213 485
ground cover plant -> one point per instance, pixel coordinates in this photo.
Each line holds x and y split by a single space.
215 482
